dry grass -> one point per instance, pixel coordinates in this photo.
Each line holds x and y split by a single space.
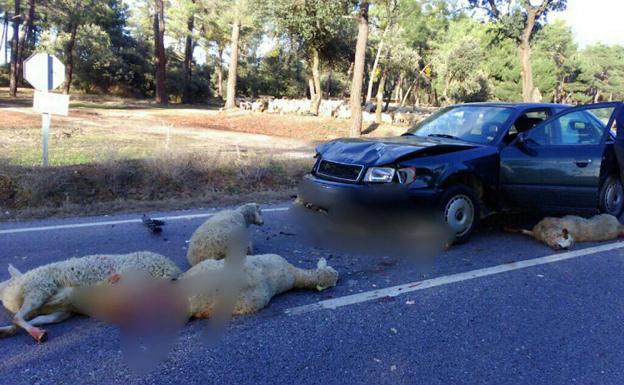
159 182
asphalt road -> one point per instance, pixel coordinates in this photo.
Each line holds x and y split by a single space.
557 322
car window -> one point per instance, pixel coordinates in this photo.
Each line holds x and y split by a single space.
480 124
576 127
525 122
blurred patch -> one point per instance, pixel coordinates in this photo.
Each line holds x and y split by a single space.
148 311
381 221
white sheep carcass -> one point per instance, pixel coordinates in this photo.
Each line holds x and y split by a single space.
41 296
562 233
235 285
261 277
213 239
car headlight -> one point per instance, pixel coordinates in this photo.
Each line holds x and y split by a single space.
379 175
406 175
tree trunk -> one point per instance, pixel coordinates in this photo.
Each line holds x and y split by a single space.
373 77
409 91
316 77
328 85
5 36
188 60
358 71
524 53
28 20
417 92
69 55
17 19
349 73
398 94
220 73
159 51
232 69
388 95
311 88
380 95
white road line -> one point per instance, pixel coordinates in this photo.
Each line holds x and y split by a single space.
119 222
445 280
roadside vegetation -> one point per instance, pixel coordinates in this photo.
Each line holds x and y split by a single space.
163 182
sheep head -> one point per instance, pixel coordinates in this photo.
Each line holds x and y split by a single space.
252 214
559 238
327 276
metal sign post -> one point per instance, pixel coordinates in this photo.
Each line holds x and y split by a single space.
46 119
45 73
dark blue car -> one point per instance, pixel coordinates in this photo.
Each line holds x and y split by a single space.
471 159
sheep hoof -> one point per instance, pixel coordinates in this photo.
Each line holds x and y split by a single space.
43 337
39 335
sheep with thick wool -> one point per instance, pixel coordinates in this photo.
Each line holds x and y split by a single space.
214 238
42 295
254 282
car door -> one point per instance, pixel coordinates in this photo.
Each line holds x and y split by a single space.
558 163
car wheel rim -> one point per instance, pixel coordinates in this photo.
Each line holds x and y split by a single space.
459 214
614 198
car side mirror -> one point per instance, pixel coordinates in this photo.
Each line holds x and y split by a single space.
521 140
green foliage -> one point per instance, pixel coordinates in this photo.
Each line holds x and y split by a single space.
502 64
313 25
601 72
458 62
511 16
434 48
257 76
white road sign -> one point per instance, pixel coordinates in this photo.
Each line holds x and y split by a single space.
44 72
51 103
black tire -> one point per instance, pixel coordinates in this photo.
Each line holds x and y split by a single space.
460 209
612 196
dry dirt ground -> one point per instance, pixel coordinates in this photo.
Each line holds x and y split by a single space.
118 128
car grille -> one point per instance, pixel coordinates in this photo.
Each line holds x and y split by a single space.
340 171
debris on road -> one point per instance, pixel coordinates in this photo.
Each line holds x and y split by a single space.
155 225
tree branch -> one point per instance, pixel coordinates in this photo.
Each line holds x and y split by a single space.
494 9
542 8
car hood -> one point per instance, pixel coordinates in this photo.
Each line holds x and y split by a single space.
384 151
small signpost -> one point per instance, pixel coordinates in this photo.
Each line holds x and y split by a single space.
45 72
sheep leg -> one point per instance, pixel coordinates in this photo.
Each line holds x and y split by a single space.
56 317
7 331
52 318
32 302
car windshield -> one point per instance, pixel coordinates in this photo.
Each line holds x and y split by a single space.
479 124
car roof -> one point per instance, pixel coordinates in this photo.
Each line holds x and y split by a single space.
517 106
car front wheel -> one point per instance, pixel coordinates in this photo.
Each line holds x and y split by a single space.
460 211
612 196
